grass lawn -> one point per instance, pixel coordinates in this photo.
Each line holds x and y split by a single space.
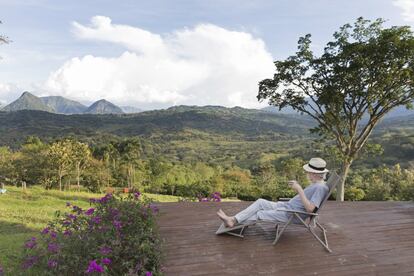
25 214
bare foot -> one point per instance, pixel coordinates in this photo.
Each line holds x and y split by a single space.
228 221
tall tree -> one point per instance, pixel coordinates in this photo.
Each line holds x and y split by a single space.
81 155
130 151
6 165
31 164
60 157
365 72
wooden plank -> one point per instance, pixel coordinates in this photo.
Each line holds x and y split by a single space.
368 238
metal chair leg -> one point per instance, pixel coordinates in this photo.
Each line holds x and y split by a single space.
283 229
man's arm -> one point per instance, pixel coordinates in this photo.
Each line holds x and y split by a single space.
309 206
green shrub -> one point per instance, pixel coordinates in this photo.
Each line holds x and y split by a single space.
115 237
354 193
378 190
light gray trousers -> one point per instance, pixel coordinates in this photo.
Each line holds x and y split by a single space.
263 209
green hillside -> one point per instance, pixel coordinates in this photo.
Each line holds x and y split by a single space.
237 122
214 134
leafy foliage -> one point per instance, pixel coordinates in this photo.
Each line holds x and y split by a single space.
116 236
363 74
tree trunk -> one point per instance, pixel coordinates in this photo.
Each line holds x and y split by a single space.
78 174
68 184
60 182
344 173
129 176
107 177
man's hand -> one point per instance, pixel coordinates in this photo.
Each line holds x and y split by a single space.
294 185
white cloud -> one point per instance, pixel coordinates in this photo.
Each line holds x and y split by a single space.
203 65
8 92
408 9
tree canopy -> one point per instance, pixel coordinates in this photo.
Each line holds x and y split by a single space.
366 71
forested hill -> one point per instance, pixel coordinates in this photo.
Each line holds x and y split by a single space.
237 122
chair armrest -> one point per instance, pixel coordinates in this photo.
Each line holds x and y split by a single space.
297 211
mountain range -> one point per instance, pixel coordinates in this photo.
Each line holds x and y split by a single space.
396 112
61 105
238 123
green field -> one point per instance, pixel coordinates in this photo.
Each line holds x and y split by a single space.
24 213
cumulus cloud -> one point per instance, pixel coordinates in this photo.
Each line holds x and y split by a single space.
203 65
8 92
407 7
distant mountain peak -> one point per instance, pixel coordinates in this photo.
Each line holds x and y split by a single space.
102 101
26 94
103 107
28 101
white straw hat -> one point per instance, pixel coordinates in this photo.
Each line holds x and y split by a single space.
316 165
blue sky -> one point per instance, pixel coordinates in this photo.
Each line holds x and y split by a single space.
154 54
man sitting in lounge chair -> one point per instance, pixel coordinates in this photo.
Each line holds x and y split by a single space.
306 200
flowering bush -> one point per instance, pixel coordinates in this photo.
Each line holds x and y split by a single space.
116 236
215 197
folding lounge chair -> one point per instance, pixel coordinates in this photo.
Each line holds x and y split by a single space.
294 218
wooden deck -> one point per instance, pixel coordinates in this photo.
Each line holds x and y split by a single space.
367 238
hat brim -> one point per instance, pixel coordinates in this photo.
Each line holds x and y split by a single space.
309 169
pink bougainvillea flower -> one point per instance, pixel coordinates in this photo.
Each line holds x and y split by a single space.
106 261
31 243
94 267
71 216
105 198
53 247
90 211
148 273
153 208
94 200
96 219
45 231
117 224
